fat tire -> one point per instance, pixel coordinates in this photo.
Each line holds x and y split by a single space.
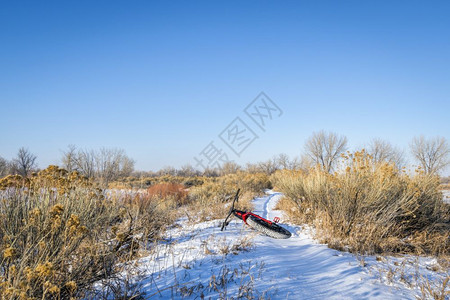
273 230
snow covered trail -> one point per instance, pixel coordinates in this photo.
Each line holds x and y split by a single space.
265 206
302 269
199 261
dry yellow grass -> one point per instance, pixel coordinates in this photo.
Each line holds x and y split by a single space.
369 207
59 235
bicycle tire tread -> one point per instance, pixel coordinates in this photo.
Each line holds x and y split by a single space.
273 230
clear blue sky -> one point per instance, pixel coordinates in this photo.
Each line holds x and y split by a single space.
163 79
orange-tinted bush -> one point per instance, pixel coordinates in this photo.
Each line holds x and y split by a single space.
169 190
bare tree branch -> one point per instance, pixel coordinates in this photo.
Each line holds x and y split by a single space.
324 148
106 165
24 163
69 158
229 168
432 154
383 151
4 167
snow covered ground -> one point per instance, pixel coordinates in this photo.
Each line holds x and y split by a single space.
199 261
446 196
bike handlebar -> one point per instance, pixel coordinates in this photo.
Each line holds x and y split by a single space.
236 197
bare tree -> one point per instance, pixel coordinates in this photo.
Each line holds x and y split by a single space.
112 164
381 150
229 168
210 172
187 171
85 162
297 163
4 167
143 174
24 163
106 164
304 163
432 154
69 159
283 161
168 170
324 148
252 168
269 166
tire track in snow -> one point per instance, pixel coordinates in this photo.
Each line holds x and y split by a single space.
300 268
265 206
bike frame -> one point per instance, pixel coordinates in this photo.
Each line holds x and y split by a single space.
242 214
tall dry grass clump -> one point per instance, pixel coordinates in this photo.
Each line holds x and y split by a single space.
59 235
173 191
369 207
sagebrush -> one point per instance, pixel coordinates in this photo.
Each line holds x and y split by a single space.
369 207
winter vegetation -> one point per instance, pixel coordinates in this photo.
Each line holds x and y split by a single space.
95 228
224 150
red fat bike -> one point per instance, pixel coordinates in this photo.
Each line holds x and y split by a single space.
269 228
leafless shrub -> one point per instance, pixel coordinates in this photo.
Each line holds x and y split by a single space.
187 171
167 171
283 161
211 172
252 168
269 166
229 168
278 162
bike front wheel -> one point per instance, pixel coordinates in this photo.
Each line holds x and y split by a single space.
270 229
